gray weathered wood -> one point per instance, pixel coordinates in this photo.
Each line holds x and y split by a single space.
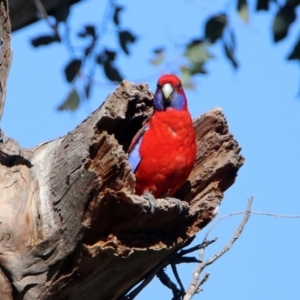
5 53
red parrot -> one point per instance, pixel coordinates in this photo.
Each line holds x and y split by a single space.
163 152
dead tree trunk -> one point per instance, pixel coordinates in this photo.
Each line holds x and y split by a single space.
71 226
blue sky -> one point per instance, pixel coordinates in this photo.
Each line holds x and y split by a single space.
260 103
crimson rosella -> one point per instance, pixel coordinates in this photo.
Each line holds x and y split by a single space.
163 152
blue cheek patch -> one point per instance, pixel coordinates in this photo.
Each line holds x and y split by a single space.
158 101
177 101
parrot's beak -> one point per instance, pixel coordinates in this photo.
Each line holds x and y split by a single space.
167 91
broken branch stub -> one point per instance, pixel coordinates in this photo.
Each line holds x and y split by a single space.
71 225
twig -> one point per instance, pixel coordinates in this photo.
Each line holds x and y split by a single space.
196 283
41 9
151 274
175 272
275 215
202 281
236 235
204 244
165 280
252 213
173 259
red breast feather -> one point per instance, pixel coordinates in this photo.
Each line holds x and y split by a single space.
168 152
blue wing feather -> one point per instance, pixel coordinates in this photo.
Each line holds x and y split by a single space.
133 152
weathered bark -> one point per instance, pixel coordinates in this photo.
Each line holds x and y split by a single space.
5 52
71 226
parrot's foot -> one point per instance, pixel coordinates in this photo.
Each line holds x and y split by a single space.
177 202
152 201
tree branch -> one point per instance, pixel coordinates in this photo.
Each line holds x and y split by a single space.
42 11
196 283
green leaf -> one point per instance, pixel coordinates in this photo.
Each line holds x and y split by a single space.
126 37
196 52
186 78
100 59
197 69
159 56
106 55
88 30
295 54
215 26
284 18
44 40
243 10
111 72
91 30
72 69
230 54
110 55
116 15
72 101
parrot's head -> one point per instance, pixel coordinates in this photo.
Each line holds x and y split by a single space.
169 94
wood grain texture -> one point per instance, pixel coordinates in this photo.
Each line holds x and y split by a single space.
71 226
5 51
